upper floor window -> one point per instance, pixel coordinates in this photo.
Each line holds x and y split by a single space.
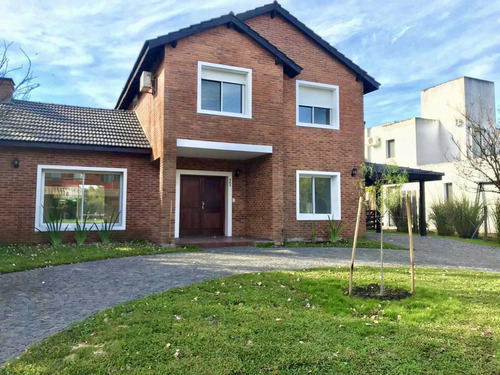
317 105
391 148
224 90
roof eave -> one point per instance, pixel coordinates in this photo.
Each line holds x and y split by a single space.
369 83
291 68
77 147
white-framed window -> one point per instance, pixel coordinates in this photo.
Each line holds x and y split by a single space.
75 193
224 90
317 105
318 195
391 148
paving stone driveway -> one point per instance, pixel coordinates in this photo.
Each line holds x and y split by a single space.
36 304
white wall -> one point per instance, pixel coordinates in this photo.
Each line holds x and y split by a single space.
427 142
404 134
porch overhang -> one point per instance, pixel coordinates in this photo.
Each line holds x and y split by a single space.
190 148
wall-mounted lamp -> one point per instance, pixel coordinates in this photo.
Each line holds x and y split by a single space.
237 172
15 163
354 172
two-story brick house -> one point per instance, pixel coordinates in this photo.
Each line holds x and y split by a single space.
244 125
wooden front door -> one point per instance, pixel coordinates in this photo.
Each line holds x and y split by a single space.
202 206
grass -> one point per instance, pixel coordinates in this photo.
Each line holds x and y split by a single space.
26 257
363 242
287 323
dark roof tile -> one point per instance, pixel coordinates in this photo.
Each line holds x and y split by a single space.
55 123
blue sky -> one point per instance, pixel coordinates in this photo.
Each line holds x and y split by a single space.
83 50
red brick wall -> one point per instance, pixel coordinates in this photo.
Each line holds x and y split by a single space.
229 47
312 148
18 191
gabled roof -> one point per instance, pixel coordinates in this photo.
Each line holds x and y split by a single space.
152 50
43 125
369 83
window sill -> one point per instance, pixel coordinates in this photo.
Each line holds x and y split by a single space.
225 114
307 125
317 217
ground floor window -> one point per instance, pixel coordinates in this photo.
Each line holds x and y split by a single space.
318 195
76 194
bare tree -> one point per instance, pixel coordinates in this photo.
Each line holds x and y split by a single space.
480 153
27 82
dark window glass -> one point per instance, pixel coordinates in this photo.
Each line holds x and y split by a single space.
322 195
210 95
306 194
322 116
305 114
232 97
391 148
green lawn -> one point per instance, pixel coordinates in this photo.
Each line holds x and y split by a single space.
288 323
26 257
363 242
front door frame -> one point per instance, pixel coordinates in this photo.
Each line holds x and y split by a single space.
228 194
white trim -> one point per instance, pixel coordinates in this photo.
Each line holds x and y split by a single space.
228 217
247 94
335 125
40 187
334 191
209 145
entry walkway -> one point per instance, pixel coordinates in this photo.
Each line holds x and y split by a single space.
36 304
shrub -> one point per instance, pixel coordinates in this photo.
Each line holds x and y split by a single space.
441 215
313 234
466 216
496 218
105 232
336 229
81 231
54 223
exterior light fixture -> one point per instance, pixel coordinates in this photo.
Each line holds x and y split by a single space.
15 163
354 172
237 172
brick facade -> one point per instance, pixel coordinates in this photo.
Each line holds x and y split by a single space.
18 191
265 192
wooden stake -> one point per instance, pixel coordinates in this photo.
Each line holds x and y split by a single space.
412 259
355 242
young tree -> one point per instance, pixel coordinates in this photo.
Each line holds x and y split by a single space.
385 198
27 83
480 155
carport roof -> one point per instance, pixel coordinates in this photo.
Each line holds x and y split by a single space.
414 175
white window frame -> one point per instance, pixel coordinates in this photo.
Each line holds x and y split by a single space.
334 191
334 125
40 189
246 101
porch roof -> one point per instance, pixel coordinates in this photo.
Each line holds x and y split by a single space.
220 150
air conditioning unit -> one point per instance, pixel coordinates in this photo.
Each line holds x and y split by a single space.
373 141
146 82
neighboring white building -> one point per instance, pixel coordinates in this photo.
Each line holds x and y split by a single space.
427 142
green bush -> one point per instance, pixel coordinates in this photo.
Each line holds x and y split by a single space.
496 217
466 216
441 215
335 230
